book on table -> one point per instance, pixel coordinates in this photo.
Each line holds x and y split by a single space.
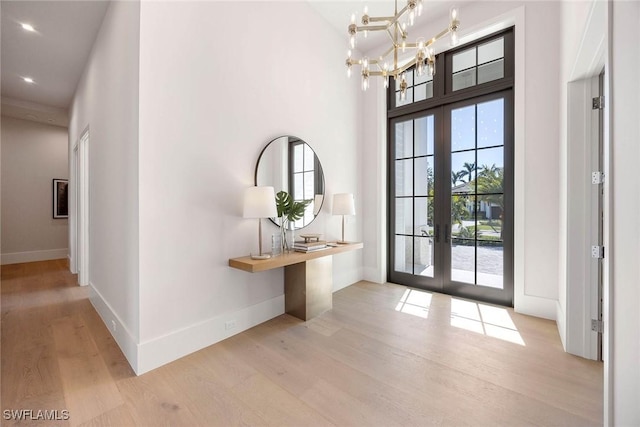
311 250
309 246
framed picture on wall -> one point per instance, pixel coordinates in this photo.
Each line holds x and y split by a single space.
60 198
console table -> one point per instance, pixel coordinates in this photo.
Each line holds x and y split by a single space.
308 277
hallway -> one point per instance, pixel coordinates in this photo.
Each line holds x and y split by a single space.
385 355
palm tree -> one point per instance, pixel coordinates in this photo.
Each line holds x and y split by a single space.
490 187
470 168
456 177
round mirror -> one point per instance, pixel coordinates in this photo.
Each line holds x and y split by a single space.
289 164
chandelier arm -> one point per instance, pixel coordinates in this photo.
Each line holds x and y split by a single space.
393 40
372 28
382 19
399 14
387 52
437 37
401 69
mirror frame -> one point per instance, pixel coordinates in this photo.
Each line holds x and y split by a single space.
290 161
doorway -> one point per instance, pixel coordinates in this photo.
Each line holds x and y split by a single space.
451 168
452 198
82 208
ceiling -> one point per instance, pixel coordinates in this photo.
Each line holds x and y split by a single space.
338 14
54 55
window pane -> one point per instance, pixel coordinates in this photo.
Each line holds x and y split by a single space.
491 71
404 177
423 176
408 100
489 216
423 256
298 157
404 139
404 216
403 254
408 76
491 51
491 123
308 158
491 170
463 128
429 89
308 186
420 92
462 219
490 264
423 217
298 189
424 135
463 259
464 79
425 77
463 60
463 172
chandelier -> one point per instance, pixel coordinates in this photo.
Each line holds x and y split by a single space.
390 62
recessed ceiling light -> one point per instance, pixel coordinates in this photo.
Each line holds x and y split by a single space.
28 27
28 79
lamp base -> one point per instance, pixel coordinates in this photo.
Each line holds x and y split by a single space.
342 242
263 256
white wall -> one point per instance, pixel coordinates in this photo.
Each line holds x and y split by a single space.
228 78
33 154
623 307
106 103
537 127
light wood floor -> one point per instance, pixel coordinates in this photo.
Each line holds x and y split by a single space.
361 364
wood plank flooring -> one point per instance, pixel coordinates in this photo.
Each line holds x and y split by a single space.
364 363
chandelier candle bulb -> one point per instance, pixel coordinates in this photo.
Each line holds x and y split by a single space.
396 28
453 26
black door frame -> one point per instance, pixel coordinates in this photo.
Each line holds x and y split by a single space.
441 105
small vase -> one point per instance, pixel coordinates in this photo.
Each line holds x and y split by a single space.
283 234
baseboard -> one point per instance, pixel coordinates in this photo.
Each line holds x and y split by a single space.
126 341
561 322
162 350
373 274
536 306
33 256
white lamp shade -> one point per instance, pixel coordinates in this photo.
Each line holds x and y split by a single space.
343 204
259 202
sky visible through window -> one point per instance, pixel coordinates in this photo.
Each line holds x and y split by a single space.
490 133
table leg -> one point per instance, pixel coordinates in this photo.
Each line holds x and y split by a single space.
308 287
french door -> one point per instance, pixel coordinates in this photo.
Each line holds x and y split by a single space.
451 198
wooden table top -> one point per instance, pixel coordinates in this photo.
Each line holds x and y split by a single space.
281 260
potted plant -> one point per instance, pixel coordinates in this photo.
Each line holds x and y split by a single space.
289 211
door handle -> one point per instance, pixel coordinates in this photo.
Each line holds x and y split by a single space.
446 233
437 233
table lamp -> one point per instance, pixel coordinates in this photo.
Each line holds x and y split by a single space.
260 202
343 204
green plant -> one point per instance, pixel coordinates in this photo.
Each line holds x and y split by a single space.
288 209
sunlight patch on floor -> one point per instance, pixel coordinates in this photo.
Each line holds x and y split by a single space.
415 302
484 319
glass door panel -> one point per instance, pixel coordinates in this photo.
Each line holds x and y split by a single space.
450 180
480 246
414 252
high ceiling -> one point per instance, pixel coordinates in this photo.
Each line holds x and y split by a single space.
54 55
338 14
